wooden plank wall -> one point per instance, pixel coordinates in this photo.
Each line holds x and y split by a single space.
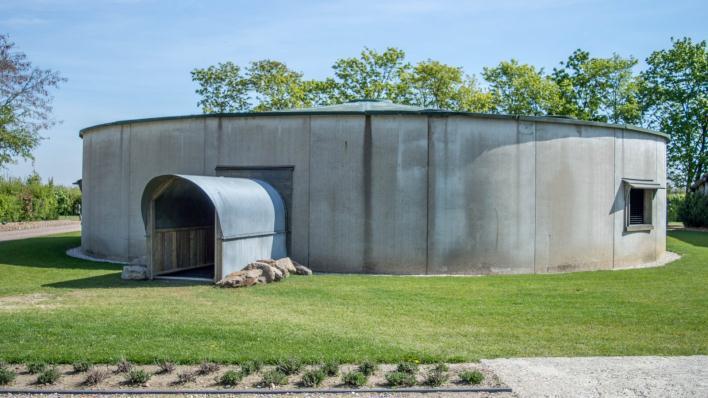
175 249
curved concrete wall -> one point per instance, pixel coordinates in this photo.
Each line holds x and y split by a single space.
400 194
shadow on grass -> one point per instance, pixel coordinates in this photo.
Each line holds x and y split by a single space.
48 252
113 280
695 238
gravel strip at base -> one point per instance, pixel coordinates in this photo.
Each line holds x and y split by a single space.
650 376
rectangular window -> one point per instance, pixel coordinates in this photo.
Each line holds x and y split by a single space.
636 207
639 204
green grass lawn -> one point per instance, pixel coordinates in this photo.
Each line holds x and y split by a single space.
61 309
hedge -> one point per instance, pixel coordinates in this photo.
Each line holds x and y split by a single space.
30 199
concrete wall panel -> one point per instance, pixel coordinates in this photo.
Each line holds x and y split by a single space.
337 223
481 197
574 196
637 156
395 187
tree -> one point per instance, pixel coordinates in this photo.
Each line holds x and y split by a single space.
521 89
432 84
674 94
222 88
373 75
599 89
276 86
25 103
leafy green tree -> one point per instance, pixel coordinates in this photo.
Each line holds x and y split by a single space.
276 86
432 84
25 103
373 75
222 88
521 89
599 89
674 95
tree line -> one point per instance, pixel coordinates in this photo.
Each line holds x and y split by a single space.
670 94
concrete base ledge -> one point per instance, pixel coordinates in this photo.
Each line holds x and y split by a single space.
76 252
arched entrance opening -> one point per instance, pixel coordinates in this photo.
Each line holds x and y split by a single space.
203 227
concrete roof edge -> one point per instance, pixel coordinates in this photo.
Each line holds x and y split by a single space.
424 112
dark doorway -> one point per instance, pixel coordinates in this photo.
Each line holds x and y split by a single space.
183 233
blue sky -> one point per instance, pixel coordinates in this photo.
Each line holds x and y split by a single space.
129 59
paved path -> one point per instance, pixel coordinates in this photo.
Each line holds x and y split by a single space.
47 229
604 376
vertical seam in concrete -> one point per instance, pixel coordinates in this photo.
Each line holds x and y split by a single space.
130 190
309 185
614 194
427 199
367 175
655 202
535 189
204 148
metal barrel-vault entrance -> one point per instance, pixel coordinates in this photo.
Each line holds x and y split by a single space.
198 222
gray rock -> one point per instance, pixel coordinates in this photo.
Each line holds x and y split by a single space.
302 270
286 263
241 278
266 269
134 272
277 274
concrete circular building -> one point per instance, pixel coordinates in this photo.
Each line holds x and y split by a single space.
374 187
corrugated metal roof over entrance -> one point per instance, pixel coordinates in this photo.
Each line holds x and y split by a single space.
245 207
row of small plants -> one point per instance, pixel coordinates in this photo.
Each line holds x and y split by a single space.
403 376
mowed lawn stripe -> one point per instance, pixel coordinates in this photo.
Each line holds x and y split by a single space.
61 309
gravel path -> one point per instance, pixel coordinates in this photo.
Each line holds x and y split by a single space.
604 376
16 231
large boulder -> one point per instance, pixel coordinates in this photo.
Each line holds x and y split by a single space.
277 274
287 264
134 272
240 278
302 270
268 272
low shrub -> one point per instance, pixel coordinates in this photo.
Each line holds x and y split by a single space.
230 378
95 376
123 366
273 378
81 366
407 367
289 366
368 367
49 375
165 367
437 376
137 377
251 367
471 377
6 376
313 378
36 367
355 379
207 367
186 377
440 367
694 210
331 367
674 202
400 379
